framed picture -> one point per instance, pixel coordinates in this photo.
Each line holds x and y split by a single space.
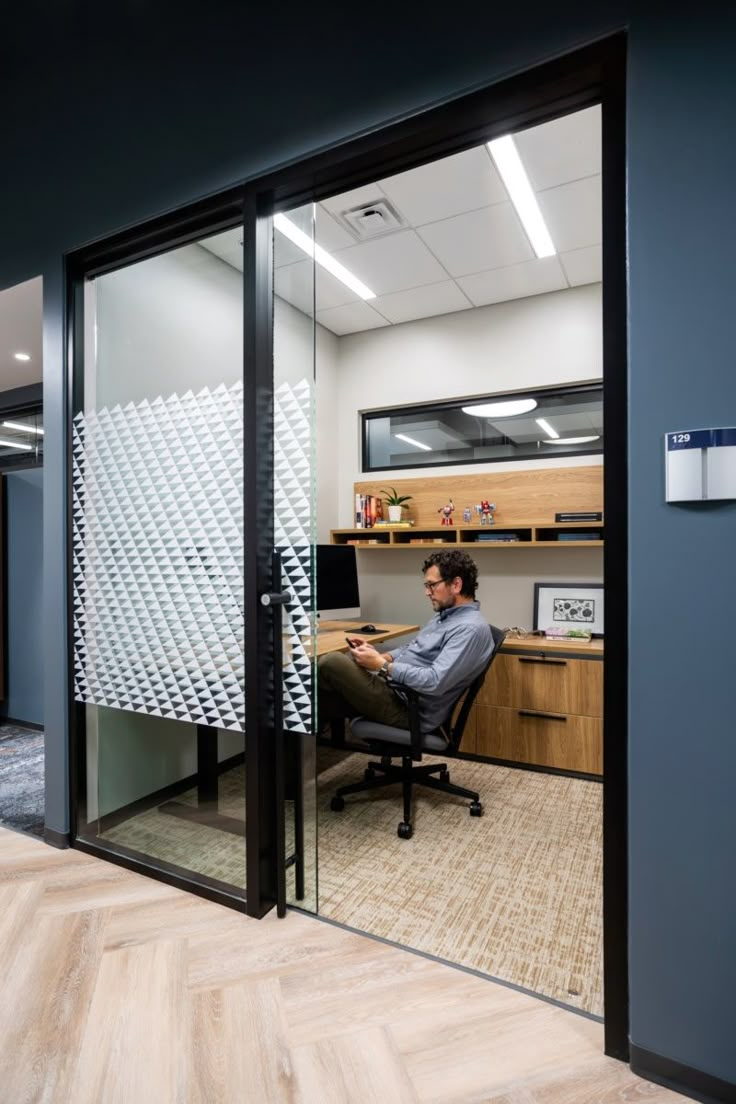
569 606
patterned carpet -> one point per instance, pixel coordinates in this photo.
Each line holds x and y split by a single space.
515 893
21 779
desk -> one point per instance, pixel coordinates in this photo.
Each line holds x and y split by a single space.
542 704
331 634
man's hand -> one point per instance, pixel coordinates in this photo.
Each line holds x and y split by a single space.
366 656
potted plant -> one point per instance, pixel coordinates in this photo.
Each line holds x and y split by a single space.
395 503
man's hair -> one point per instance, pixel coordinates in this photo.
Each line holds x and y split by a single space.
454 563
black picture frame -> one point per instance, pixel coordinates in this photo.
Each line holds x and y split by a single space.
586 592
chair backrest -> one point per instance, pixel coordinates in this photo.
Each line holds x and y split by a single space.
454 732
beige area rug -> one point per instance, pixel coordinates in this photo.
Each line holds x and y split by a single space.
516 893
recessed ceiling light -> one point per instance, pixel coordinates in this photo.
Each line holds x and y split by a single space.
14 444
501 409
22 428
321 256
573 440
547 428
21 356
411 441
509 164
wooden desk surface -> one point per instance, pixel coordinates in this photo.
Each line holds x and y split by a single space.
331 635
592 648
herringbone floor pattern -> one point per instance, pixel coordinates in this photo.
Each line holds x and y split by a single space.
115 989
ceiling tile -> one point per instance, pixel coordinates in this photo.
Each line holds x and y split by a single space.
562 150
490 238
330 235
583 266
351 318
294 283
284 251
393 262
227 246
452 186
514 282
422 302
573 213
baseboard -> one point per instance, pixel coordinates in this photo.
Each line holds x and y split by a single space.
158 797
57 839
681 1078
21 724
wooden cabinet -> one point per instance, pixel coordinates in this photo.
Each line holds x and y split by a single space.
543 705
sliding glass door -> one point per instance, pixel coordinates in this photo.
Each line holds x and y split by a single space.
157 576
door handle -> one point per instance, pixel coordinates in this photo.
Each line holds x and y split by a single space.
542 716
542 659
274 598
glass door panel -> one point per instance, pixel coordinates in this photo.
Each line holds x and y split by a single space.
294 534
158 562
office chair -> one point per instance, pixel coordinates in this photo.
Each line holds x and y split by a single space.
390 743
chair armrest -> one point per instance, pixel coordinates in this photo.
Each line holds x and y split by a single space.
412 702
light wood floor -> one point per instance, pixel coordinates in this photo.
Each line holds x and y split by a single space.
117 989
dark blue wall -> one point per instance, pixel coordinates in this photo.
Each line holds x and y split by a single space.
24 614
113 125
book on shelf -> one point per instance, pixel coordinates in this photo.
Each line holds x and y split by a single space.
578 535
381 524
496 538
368 511
363 540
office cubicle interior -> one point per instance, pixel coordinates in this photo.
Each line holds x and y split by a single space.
455 304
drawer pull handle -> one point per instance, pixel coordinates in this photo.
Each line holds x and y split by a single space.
549 662
542 716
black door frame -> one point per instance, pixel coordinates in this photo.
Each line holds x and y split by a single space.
593 74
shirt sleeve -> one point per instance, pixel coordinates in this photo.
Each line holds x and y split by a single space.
457 662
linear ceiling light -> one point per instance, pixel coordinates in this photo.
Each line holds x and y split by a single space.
501 409
547 428
22 428
507 160
14 444
411 441
321 256
573 440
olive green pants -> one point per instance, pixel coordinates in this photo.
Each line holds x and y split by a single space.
345 690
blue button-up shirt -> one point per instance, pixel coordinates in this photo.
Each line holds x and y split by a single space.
451 649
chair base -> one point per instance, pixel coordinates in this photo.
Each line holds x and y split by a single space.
387 773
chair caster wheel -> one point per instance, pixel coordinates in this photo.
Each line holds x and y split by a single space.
337 804
404 831
368 774
444 776
476 809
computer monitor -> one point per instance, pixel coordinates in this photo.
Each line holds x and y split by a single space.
337 581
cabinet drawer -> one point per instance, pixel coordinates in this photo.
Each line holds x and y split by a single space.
557 740
551 683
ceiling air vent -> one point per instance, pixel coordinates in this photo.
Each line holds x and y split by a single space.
371 219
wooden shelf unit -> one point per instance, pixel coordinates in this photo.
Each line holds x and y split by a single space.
528 536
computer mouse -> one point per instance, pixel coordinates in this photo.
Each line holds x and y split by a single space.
367 628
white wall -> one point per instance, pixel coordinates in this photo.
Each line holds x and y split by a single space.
534 342
539 341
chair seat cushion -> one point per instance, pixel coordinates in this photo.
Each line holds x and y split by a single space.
372 731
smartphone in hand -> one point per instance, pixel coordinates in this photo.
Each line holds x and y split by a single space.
352 643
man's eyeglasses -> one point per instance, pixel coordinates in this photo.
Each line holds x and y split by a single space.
430 586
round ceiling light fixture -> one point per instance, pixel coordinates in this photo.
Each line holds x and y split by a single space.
21 356
573 440
508 409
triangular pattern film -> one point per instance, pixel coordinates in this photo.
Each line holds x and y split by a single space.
294 536
157 515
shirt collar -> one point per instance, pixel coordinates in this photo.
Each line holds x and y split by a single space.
444 614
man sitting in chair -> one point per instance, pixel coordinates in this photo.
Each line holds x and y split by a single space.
452 648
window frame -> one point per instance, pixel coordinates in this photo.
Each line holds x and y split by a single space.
366 416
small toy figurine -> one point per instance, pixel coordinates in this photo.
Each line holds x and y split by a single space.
486 512
447 511
467 515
